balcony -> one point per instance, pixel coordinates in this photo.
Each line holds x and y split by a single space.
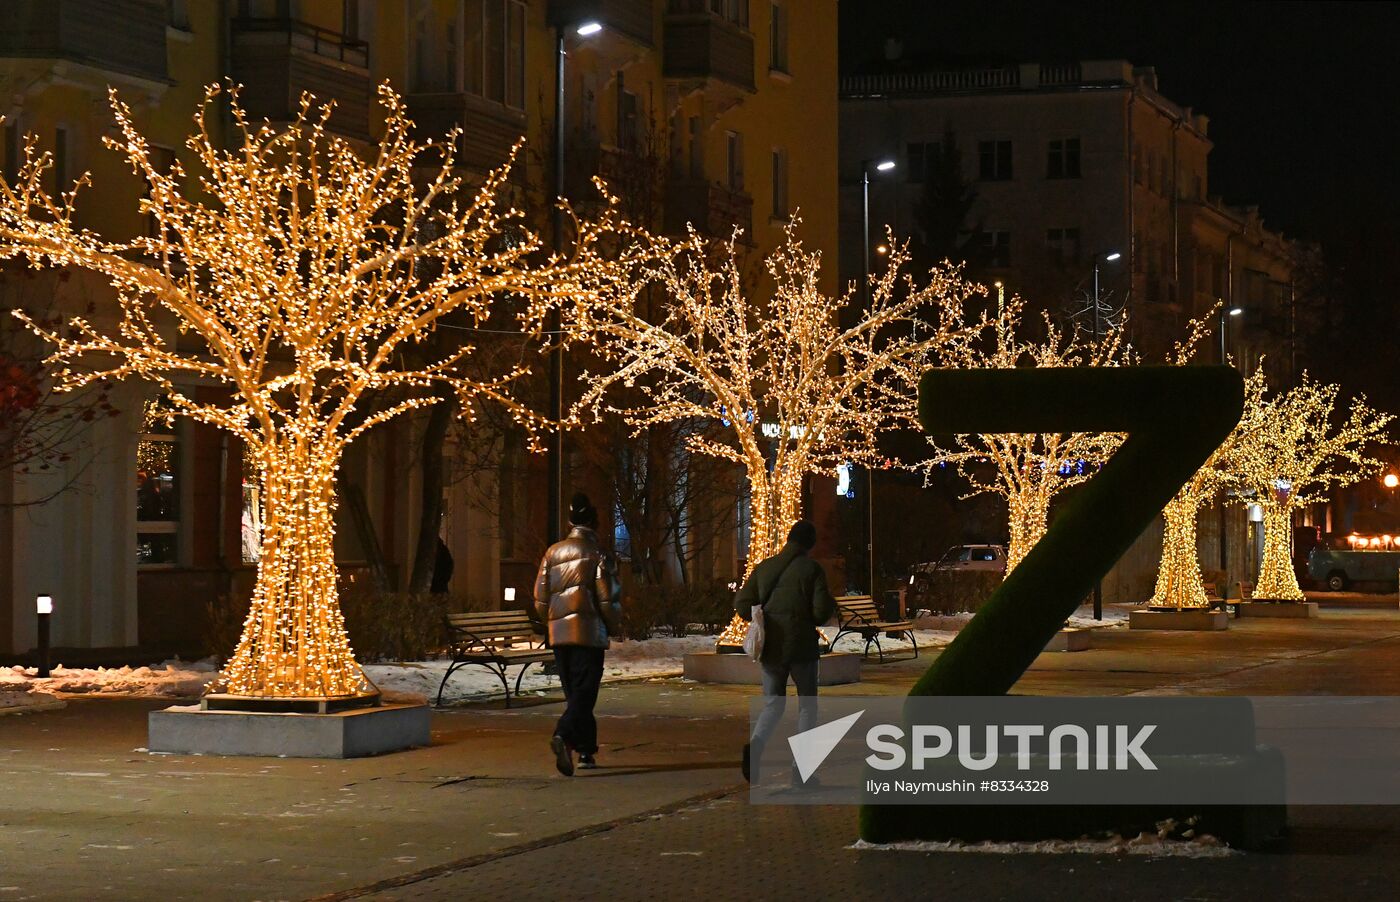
277 59
705 50
713 209
631 19
113 36
489 129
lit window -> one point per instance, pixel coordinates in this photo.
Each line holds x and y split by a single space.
157 489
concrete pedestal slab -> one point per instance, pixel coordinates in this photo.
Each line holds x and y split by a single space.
709 667
1289 609
356 733
1069 640
1178 620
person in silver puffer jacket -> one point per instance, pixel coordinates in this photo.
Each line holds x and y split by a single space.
578 600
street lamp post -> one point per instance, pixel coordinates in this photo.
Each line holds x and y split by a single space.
881 166
555 447
1225 314
1222 520
1105 257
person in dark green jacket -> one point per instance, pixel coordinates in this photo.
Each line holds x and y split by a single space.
791 589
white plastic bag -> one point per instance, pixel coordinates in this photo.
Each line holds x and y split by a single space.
753 641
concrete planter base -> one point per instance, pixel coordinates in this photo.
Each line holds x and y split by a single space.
1278 609
1069 640
709 667
1178 620
356 733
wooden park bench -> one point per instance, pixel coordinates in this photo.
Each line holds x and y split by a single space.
496 640
858 614
1215 601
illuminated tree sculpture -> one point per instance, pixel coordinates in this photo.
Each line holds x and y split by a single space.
1299 452
302 280
1028 469
780 387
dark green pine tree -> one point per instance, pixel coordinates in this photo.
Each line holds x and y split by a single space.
941 216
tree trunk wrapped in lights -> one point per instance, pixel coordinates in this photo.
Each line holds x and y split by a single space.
1297 454
1028 469
1277 579
303 280
778 385
1179 583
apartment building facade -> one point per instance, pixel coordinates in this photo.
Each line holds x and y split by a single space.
1071 164
728 106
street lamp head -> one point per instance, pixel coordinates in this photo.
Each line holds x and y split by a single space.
1111 256
43 604
588 28
884 165
882 249
1236 311
1391 480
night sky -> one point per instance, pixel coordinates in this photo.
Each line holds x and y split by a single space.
1304 99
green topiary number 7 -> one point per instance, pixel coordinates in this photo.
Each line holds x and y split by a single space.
1174 417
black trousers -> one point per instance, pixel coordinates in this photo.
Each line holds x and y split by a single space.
581 672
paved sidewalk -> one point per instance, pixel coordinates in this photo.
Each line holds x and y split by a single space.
726 850
85 814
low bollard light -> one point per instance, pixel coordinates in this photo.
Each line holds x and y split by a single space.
43 607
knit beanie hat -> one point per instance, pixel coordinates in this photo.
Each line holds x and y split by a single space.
581 511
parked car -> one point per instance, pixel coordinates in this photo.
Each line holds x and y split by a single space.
1338 568
969 557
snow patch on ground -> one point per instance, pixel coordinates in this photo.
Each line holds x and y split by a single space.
854 643
625 660
1082 618
1148 844
410 681
1113 616
20 701
169 679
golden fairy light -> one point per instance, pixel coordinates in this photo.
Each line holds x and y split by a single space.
301 280
1028 469
1303 447
781 387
